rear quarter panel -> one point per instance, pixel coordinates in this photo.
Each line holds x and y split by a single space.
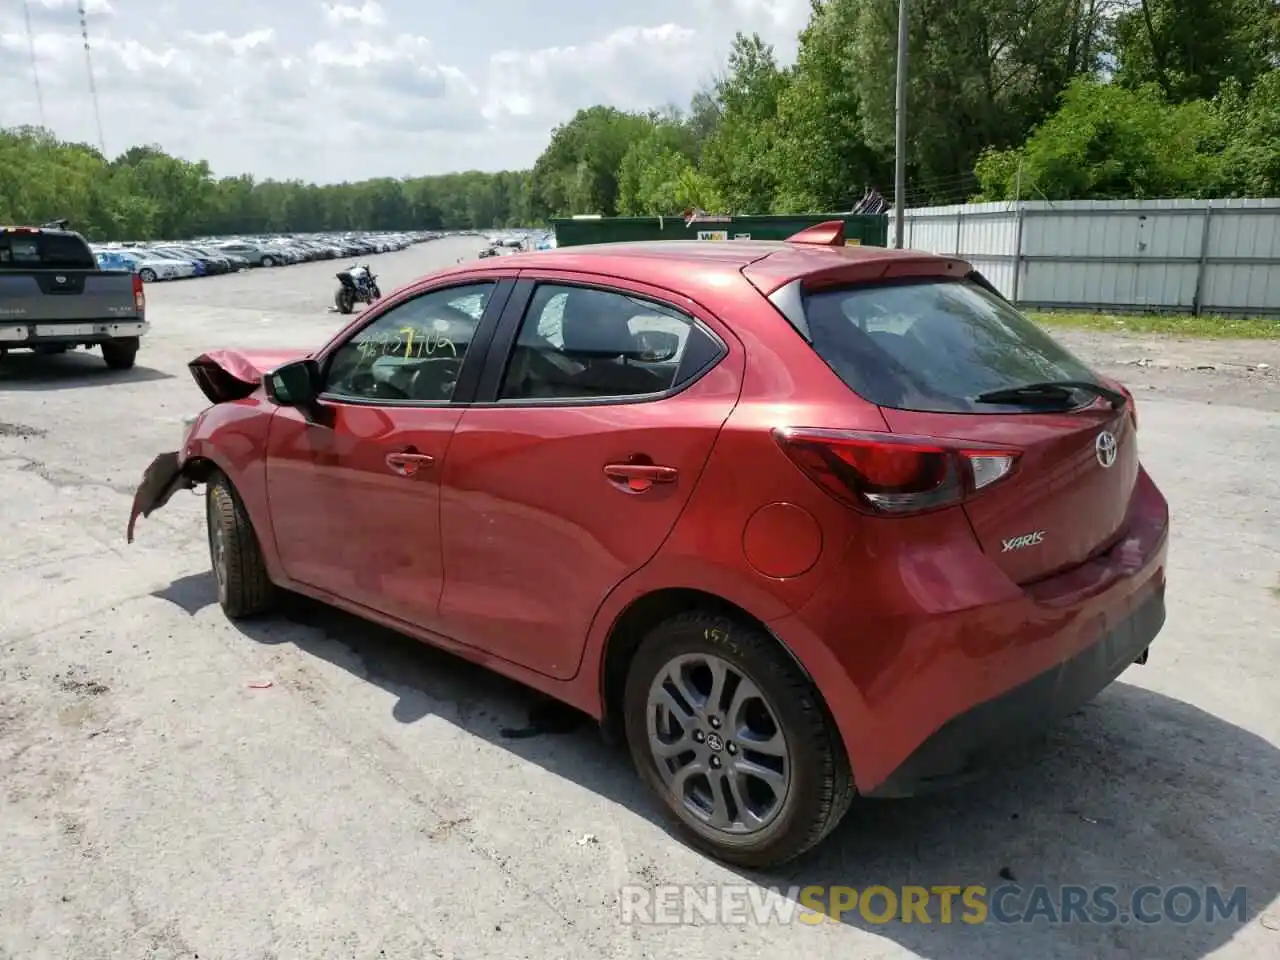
783 384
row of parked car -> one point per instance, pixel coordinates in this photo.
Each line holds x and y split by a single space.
205 257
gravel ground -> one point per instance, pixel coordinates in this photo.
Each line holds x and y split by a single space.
373 802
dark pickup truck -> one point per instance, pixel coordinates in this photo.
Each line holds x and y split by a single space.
53 297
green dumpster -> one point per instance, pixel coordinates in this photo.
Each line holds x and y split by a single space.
870 230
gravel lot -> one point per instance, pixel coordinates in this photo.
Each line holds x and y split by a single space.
373 802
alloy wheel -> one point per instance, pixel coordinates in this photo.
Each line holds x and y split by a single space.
717 745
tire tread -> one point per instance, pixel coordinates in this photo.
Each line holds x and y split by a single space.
249 589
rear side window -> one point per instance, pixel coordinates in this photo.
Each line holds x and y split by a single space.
932 346
50 251
581 343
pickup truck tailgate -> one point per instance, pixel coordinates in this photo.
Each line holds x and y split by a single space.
52 296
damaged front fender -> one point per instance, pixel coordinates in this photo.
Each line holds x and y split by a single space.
166 475
224 377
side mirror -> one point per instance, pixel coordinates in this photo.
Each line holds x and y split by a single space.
293 384
656 346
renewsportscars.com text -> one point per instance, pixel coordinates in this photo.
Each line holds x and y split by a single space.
748 904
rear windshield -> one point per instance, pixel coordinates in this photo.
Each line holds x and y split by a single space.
932 346
50 251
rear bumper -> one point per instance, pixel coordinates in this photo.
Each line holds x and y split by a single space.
977 739
932 661
70 331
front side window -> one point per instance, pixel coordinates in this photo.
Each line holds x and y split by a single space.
412 352
582 343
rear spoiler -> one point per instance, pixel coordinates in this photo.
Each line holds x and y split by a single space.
830 233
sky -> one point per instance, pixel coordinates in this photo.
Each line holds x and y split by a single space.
333 91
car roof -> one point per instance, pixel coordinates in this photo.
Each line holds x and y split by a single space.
692 265
46 231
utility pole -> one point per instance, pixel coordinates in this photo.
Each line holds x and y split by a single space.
900 147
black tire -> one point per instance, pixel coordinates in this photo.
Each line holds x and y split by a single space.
820 788
344 300
121 354
147 275
268 261
244 589
377 294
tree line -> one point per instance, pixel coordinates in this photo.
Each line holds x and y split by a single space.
1051 99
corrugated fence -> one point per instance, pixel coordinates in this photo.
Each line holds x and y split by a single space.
1198 256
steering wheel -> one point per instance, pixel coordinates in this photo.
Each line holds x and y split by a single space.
425 386
367 385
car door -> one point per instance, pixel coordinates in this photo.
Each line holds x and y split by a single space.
354 487
571 468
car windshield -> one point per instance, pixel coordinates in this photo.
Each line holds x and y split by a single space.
933 345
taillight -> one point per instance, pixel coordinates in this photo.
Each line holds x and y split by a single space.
139 297
891 474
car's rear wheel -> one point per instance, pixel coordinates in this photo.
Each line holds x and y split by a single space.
244 589
268 261
147 275
121 354
735 740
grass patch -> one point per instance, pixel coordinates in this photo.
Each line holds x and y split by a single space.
1172 324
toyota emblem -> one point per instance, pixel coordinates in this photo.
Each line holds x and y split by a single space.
1105 448
60 279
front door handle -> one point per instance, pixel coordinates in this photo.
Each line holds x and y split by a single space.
408 464
639 477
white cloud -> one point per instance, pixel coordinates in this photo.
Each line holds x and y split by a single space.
336 91
632 68
92 8
368 14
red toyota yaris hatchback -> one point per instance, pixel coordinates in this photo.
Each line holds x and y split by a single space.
799 520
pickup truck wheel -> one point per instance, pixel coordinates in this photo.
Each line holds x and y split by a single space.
244 589
120 354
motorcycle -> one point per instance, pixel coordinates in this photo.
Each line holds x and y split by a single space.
358 285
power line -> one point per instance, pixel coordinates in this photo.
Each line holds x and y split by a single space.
93 86
35 70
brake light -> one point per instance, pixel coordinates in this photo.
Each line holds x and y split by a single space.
894 475
139 297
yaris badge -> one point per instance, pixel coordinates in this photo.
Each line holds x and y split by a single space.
1105 448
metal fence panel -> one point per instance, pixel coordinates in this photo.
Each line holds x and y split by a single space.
1200 256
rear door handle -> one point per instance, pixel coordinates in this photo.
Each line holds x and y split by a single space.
639 477
408 464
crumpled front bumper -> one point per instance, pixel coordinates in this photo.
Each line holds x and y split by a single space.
164 477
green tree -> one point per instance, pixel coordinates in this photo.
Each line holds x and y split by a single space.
1111 142
578 172
821 159
982 74
146 194
737 156
1190 48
